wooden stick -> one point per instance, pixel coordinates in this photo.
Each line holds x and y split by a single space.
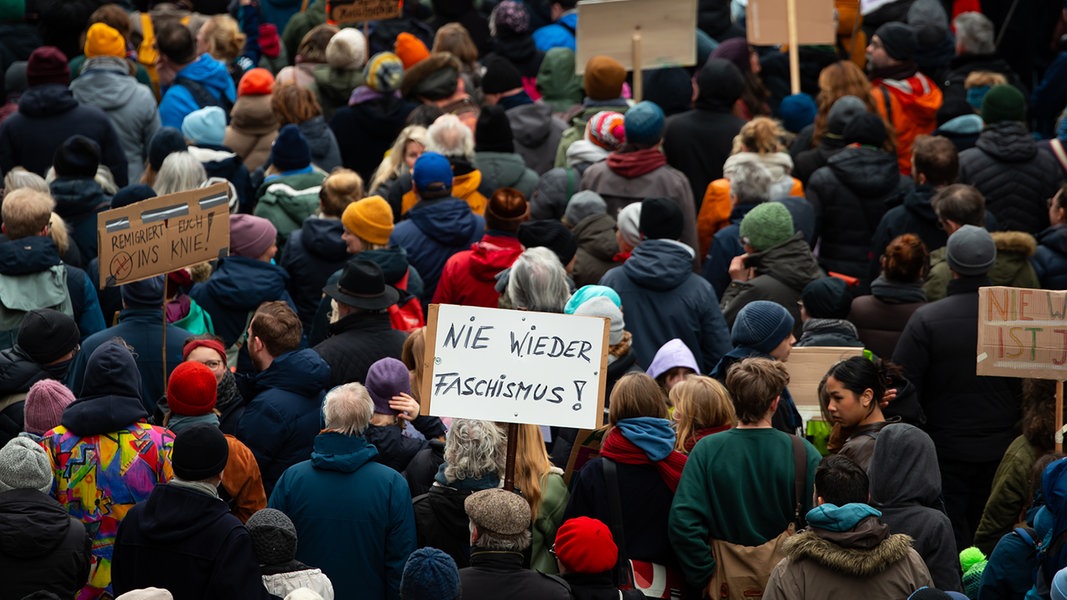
1059 416
513 447
639 83
794 47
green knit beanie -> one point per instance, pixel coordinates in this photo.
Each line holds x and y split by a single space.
767 225
1003 103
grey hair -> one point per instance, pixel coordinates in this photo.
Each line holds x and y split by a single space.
538 281
181 171
19 177
348 409
750 182
974 33
473 449
505 543
450 137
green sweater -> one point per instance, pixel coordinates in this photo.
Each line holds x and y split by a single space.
737 486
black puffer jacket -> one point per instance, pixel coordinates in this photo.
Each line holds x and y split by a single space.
356 342
1013 176
850 195
17 374
1050 260
313 253
441 522
953 91
41 546
365 131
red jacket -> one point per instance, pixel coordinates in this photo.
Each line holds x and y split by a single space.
469 276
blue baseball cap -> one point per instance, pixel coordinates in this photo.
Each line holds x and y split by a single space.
431 169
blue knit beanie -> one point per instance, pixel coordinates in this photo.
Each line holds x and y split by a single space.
205 127
644 123
290 150
430 574
797 112
761 325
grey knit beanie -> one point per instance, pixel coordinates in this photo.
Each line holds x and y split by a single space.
24 465
273 536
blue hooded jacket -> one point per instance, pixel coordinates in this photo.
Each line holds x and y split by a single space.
178 101
434 231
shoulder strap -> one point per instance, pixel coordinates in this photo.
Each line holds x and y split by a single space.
611 485
800 470
203 97
1027 535
888 103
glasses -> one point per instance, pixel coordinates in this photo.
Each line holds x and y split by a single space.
212 364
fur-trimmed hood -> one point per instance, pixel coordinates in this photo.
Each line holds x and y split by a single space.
438 61
1018 242
864 551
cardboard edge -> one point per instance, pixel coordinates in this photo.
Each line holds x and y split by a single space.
602 389
427 359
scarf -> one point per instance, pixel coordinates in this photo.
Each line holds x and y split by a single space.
200 486
227 395
177 423
894 292
636 163
702 433
646 441
485 482
619 350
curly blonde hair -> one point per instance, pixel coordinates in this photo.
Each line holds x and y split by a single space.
224 38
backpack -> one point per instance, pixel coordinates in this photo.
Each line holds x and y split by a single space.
1051 557
20 294
406 315
203 97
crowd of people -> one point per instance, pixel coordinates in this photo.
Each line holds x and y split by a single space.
252 427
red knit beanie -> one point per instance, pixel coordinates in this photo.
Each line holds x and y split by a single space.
585 545
204 343
47 64
191 390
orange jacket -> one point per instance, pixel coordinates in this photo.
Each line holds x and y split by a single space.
464 187
242 481
912 109
716 207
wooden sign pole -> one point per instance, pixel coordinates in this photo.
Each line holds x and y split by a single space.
639 80
794 47
1059 416
513 448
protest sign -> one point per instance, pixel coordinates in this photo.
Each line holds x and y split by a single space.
1022 333
807 365
342 12
515 366
767 22
163 234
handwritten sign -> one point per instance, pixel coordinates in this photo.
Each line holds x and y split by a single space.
1022 333
515 366
356 11
163 234
666 29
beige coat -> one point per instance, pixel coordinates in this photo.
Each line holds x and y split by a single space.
252 130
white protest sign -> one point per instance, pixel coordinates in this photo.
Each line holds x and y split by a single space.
515 366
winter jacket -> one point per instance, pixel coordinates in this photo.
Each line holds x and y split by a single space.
313 253
325 154
559 86
1050 95
1012 267
1012 175
597 247
78 201
222 163
365 130
333 87
560 34
143 329
556 186
178 101
782 271
18 373
434 231
1050 258
664 299
829 332
915 214
29 263
469 276
395 449
910 105
106 84
549 517
287 200
41 546
252 130
282 584
1010 494
850 195
105 458
787 418
537 134
187 542
468 184
906 488
48 115
936 352
500 574
855 558
299 24
440 521
739 486
506 169
356 342
384 534
806 162
621 182
881 316
962 65
699 141
280 422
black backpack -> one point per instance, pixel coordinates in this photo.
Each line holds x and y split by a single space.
203 97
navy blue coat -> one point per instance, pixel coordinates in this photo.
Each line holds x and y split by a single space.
78 201
280 423
434 231
1050 260
312 254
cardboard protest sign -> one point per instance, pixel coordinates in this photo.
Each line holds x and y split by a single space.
807 365
667 31
515 366
1022 333
767 22
342 12
163 234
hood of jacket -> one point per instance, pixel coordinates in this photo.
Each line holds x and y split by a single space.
780 165
28 255
17 371
864 551
251 115
903 469
46 100
1054 487
32 524
556 81
493 254
343 453
670 355
322 237
76 198
1014 250
302 372
659 264
1008 141
174 513
596 235
517 49
790 262
110 398
393 261
209 73
503 168
866 171
917 203
337 84
105 82
317 133
448 221
243 282
719 88
531 123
